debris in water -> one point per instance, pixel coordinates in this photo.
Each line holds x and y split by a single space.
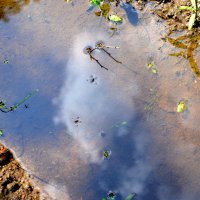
99 46
152 68
111 195
106 154
26 106
123 123
189 43
131 196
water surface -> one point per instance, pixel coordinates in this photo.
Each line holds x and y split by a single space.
154 152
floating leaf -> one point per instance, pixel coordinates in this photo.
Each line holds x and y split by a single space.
191 21
154 70
103 198
150 65
180 107
1 132
131 196
115 18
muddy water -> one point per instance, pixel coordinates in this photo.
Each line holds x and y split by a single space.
154 150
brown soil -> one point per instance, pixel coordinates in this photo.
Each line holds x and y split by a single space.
15 183
175 18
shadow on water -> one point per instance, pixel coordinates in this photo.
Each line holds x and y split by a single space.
131 13
12 7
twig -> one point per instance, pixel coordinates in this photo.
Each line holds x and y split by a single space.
89 51
93 58
111 56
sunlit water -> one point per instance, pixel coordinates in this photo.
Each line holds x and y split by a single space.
154 150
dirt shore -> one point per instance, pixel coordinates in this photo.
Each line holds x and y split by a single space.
15 183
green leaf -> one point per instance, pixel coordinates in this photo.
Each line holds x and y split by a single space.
131 196
191 21
180 107
1 132
96 2
186 8
103 198
115 18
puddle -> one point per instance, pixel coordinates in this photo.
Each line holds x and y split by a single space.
83 110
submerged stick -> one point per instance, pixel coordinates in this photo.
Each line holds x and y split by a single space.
97 61
6 109
101 46
111 56
89 50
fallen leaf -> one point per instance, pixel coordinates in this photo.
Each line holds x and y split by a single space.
115 18
180 107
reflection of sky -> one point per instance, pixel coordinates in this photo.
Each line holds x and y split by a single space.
68 158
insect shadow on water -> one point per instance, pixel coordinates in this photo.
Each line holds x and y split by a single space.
92 79
76 121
